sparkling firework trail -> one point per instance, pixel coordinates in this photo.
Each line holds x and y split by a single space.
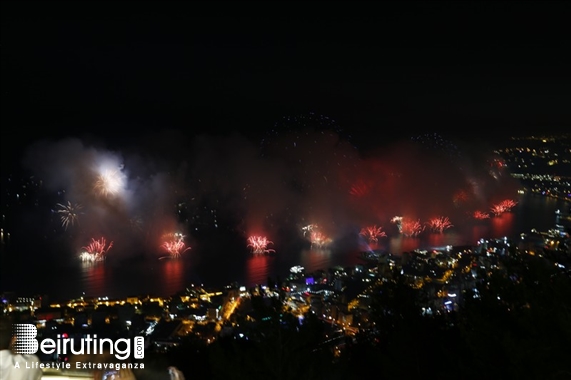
372 233
69 214
439 224
96 250
504 206
480 215
508 204
259 244
497 209
175 246
411 227
318 239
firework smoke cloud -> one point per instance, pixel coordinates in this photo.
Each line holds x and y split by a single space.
296 179
102 194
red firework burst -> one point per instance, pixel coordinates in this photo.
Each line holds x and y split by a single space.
175 245
504 206
96 250
480 215
372 233
439 224
318 239
259 244
411 227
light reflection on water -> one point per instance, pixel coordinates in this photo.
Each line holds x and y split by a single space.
502 225
93 274
315 259
257 269
155 277
173 273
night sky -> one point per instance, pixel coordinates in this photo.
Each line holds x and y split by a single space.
382 71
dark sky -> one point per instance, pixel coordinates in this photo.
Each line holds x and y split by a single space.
382 70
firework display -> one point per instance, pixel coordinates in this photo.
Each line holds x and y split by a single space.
480 215
109 182
411 227
193 191
259 244
227 187
439 224
308 229
96 250
504 206
69 213
318 239
372 233
175 245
